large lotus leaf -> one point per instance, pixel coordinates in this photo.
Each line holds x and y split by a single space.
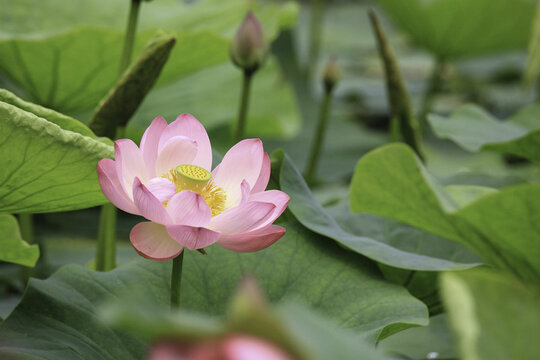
474 129
12 247
36 17
500 226
494 315
463 28
45 167
380 239
72 65
57 317
272 112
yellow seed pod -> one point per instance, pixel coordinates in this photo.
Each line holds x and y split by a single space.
192 177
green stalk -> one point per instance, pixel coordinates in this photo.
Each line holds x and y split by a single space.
130 35
244 105
106 248
319 138
26 224
176 280
433 87
315 34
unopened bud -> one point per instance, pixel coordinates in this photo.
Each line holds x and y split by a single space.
249 47
331 74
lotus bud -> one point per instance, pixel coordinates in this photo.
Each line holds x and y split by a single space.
331 75
248 299
249 47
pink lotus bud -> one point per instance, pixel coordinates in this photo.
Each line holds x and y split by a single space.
249 47
331 74
237 347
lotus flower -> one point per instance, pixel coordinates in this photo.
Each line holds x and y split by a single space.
168 181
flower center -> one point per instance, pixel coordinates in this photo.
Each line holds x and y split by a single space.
199 180
191 177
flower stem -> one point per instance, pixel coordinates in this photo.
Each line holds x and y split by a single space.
244 104
319 138
176 280
26 224
130 35
106 247
315 34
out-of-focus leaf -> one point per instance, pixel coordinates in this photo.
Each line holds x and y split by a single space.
71 63
58 316
45 167
434 341
474 129
502 227
32 17
12 247
122 101
273 111
307 334
494 315
380 239
463 195
462 28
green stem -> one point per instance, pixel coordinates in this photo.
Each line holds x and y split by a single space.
244 105
130 35
176 280
106 247
26 223
434 84
315 34
319 138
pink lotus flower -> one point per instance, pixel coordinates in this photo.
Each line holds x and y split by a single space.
168 181
237 347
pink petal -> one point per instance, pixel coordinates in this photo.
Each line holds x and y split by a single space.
152 242
148 205
192 237
176 151
189 208
252 240
161 188
244 190
129 164
188 125
276 197
264 176
242 162
150 142
242 218
111 186
250 348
